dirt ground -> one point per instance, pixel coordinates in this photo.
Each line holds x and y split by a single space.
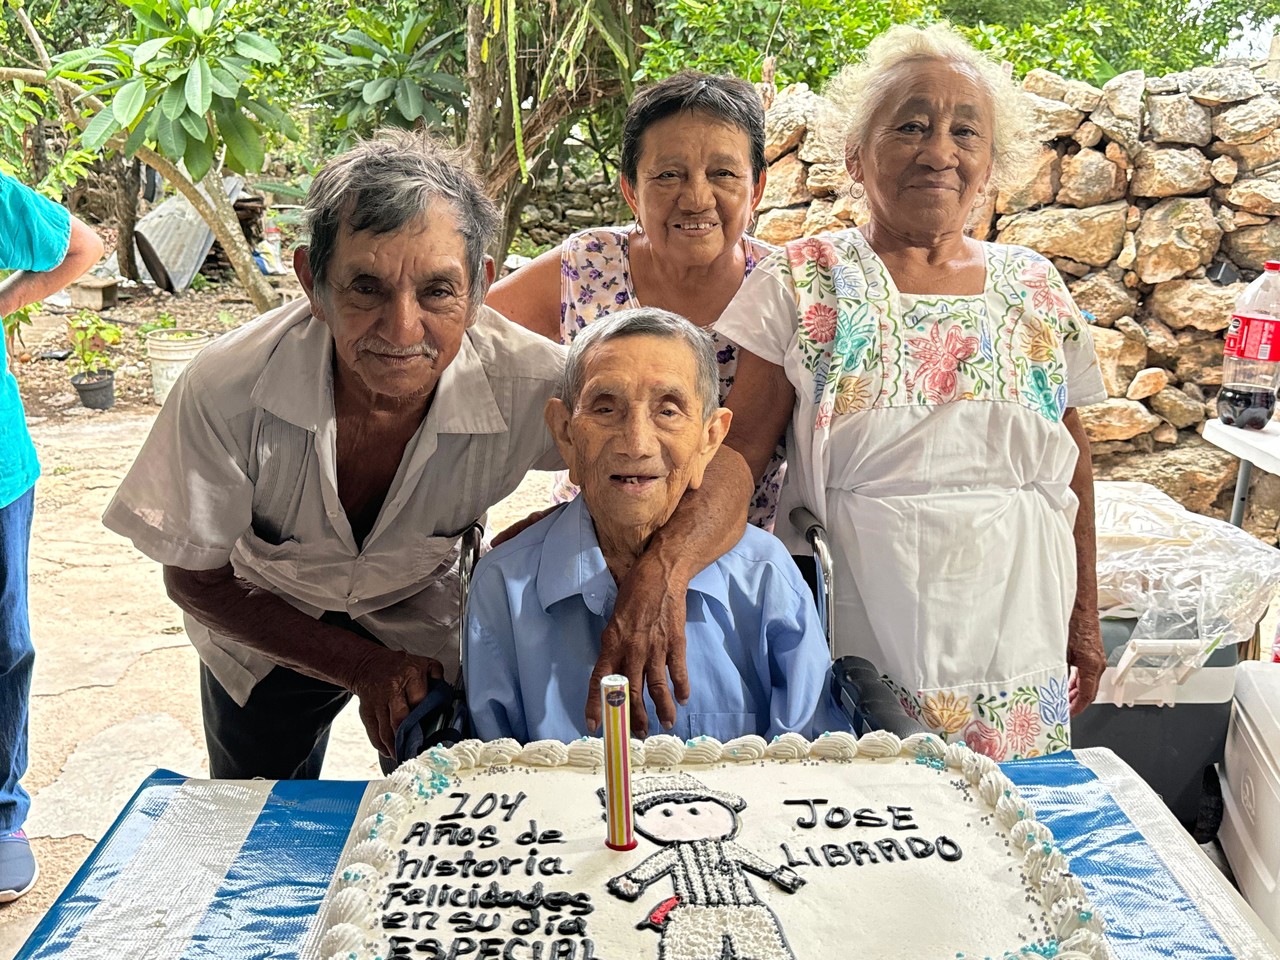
115 693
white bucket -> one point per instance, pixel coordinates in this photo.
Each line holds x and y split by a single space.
169 351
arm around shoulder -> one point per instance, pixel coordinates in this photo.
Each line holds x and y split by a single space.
531 295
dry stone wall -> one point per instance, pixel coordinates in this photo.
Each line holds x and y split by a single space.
1157 198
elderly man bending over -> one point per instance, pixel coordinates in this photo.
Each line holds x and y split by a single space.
637 423
307 481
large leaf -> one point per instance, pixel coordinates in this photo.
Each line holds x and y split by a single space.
240 136
198 157
170 138
127 103
223 83
200 19
75 59
138 136
257 48
146 51
99 130
173 101
409 100
199 87
196 126
375 91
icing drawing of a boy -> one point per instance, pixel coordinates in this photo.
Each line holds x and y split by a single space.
715 913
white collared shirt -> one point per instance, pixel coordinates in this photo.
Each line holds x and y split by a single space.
240 466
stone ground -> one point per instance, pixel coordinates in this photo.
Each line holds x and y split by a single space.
116 690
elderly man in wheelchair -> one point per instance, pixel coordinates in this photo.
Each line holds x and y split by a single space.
637 421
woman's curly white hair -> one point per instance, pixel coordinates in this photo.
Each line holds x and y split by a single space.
858 91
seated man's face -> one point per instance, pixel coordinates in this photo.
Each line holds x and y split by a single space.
636 439
396 303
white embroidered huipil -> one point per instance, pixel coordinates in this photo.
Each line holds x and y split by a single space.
928 438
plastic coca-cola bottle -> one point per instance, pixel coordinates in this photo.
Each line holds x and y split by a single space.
1251 356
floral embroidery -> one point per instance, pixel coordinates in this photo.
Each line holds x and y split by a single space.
1055 708
812 250
940 361
946 712
852 394
1022 727
820 323
982 738
1039 340
1045 289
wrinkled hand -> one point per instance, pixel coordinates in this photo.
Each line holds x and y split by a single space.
644 641
390 684
520 526
1086 655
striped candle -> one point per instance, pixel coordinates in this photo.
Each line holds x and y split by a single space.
616 709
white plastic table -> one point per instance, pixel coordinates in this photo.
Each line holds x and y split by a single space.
1255 448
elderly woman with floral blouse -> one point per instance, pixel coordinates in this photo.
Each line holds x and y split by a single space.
929 383
693 172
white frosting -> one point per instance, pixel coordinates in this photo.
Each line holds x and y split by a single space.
496 785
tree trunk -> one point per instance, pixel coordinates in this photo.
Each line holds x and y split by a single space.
482 92
226 227
128 182
39 152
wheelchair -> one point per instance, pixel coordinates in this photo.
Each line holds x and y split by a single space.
441 718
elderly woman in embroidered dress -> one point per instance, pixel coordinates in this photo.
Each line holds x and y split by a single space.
930 381
693 172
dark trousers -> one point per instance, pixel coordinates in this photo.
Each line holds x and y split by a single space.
17 657
282 732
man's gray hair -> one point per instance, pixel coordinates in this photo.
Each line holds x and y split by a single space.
383 184
644 321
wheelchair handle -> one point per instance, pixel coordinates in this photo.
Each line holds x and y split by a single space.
468 555
816 534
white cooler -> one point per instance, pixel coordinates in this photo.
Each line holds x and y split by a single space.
1250 833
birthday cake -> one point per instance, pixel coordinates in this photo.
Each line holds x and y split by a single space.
869 848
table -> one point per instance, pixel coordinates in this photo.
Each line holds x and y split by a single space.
235 870
1255 448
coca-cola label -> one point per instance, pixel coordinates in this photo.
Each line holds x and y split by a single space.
1253 338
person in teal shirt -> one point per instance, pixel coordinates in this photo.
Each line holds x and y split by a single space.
47 248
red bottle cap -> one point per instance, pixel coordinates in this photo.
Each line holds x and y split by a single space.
1272 265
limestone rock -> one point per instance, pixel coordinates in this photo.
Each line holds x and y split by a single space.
1104 297
1247 122
1128 327
1089 134
1112 448
1119 358
1243 219
824 142
1178 119
1160 339
1193 391
1176 407
1128 255
1116 419
1083 96
1225 169
1069 268
1045 83
1251 247
1089 178
850 210
1092 235
1225 85
1052 119
1170 173
1147 383
822 219
779 226
786 184
1120 112
1200 304
1253 195
1166 433
1251 156
824 179
1193 473
1200 362
787 121
1036 188
1176 236
1164 85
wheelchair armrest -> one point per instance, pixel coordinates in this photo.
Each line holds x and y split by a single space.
870 704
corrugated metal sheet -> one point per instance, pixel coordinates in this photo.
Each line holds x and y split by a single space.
173 240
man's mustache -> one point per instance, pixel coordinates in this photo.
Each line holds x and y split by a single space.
374 344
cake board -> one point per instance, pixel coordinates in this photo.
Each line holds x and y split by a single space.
237 869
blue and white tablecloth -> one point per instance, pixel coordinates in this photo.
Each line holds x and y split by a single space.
236 870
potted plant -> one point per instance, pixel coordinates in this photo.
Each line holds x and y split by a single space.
169 349
92 367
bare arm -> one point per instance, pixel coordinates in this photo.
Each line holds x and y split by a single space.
762 399
23 287
1084 639
531 295
387 682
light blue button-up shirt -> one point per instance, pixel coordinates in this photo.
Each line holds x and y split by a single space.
757 657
